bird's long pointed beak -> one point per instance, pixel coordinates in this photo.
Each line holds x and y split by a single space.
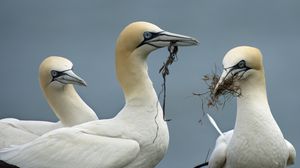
225 74
165 38
69 77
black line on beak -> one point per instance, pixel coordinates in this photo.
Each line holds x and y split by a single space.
148 36
241 66
55 74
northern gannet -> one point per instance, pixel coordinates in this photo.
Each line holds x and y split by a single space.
137 137
56 81
256 140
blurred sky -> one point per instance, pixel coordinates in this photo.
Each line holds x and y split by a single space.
85 32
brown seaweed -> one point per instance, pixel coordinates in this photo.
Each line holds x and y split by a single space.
164 70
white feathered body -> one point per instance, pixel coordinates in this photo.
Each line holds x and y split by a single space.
113 143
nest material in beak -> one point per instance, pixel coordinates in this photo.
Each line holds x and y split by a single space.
225 91
164 70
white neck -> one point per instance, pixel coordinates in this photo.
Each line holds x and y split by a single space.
132 73
68 106
253 111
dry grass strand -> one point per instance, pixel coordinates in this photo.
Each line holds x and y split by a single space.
225 92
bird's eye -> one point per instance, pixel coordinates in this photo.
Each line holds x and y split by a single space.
54 73
147 35
241 64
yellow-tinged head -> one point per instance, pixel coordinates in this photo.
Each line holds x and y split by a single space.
134 44
147 37
56 72
250 55
245 62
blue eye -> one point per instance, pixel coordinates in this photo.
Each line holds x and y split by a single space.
54 73
242 64
147 35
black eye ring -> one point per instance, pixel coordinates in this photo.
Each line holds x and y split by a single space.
54 73
242 64
147 35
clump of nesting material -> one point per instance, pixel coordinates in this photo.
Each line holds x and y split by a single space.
217 97
164 70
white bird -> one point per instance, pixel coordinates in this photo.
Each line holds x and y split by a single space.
137 137
56 81
256 140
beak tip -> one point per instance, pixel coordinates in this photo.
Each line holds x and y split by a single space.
178 39
196 41
84 83
215 91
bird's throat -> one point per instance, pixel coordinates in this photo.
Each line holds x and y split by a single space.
132 73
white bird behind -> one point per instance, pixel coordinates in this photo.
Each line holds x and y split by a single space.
56 81
137 137
256 140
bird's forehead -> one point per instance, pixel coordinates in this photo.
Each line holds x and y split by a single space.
56 63
231 59
249 54
140 28
61 67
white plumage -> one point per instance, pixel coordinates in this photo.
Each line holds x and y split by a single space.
136 138
56 81
256 140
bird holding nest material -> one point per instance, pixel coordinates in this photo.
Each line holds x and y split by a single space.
137 137
256 140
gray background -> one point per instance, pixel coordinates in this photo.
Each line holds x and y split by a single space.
85 32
